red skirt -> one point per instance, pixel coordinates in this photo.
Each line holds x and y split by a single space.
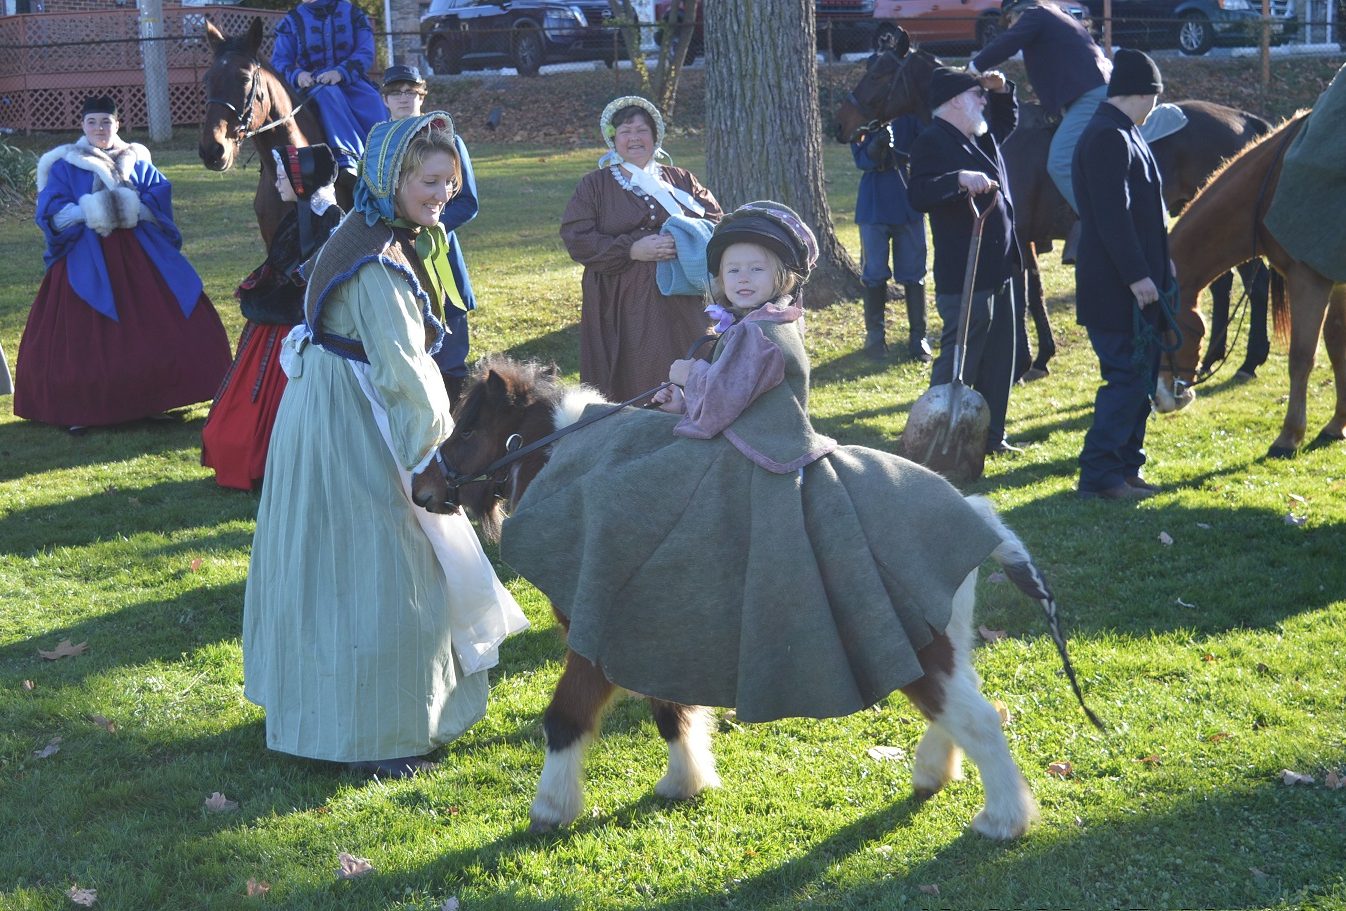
238 430
77 366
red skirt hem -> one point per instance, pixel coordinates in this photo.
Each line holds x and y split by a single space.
237 434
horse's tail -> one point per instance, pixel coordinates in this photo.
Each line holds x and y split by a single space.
1014 559
1280 308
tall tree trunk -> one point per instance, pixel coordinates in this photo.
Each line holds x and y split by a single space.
763 127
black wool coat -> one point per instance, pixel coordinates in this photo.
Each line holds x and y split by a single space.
937 155
1123 238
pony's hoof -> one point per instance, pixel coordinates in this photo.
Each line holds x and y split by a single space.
1281 452
541 828
923 794
998 827
1035 373
1163 401
1324 439
1245 373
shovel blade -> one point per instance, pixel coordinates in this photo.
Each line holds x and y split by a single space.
946 432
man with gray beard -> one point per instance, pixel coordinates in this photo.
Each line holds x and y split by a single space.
957 156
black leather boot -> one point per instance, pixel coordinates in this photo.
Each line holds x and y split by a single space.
876 303
918 346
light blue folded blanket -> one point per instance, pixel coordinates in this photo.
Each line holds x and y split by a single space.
687 274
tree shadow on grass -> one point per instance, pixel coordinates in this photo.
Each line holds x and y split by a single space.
31 448
163 508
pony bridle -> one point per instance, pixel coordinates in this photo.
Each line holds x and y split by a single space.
498 472
873 123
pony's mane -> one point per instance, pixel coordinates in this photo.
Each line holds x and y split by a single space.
1252 148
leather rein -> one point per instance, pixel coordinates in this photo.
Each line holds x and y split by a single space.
516 451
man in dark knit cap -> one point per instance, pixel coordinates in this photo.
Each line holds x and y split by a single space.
957 156
1123 265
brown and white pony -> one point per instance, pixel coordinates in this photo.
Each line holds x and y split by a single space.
513 404
246 99
1222 226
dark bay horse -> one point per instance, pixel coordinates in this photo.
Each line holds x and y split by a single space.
896 83
1224 225
512 405
246 99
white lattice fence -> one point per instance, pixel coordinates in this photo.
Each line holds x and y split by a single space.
51 62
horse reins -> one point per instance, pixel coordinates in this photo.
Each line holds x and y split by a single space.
1239 309
515 451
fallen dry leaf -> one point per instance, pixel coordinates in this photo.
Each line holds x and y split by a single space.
1208 658
450 904
1294 778
991 635
1292 519
929 889
258 888
51 749
1334 781
1205 525
218 803
64 650
135 501
996 578
1182 603
109 726
352 866
1165 538
196 565
84 897
884 850
1294 496
886 754
1061 769
27 685
1218 736
1003 711
1149 760
1257 874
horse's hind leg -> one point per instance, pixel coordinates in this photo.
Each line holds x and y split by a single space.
1308 293
961 717
570 723
691 765
1257 280
1042 324
1334 339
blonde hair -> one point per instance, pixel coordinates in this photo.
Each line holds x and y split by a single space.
785 280
422 146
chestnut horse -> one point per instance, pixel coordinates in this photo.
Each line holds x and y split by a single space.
1224 225
246 99
897 82
513 406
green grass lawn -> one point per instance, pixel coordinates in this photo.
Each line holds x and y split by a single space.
1216 660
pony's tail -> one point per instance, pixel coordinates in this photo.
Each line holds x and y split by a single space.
1019 567
1280 308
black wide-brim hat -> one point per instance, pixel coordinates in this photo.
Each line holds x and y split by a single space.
769 224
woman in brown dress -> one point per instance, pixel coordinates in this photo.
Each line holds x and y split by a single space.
629 331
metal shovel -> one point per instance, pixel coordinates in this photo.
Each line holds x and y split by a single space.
946 428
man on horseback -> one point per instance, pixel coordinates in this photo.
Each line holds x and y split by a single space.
1067 68
1123 263
324 49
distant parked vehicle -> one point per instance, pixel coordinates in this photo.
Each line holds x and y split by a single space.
1194 26
525 34
953 24
844 26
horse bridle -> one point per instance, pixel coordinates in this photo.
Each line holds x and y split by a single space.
242 124
899 71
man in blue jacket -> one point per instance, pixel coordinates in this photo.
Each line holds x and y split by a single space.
887 220
1068 70
1123 265
957 156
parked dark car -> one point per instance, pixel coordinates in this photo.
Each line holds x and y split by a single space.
843 26
1193 26
525 34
